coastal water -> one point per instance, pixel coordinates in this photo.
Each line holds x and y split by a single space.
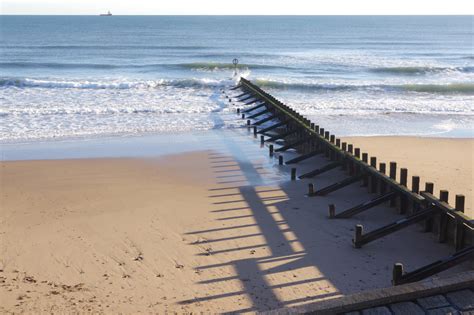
88 76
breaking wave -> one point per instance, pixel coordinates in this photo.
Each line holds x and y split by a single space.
113 84
452 88
421 70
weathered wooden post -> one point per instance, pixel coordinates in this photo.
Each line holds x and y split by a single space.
351 165
365 180
393 175
397 273
459 227
293 173
332 211
459 203
401 200
344 162
429 188
443 219
238 110
382 185
393 170
270 148
255 131
415 184
243 116
310 189
356 168
280 159
358 235
415 187
262 139
372 180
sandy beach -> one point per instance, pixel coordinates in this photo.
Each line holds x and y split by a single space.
219 229
448 163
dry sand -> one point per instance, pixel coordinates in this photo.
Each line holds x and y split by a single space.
213 231
448 163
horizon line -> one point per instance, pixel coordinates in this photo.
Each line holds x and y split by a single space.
211 14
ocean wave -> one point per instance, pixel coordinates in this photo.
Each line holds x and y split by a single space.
197 66
452 88
421 70
113 84
215 66
56 65
109 47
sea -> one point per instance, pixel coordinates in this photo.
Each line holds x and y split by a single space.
83 77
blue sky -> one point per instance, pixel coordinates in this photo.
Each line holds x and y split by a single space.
290 7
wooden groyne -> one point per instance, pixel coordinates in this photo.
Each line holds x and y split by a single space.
448 223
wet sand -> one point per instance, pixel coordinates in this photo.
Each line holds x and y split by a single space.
219 229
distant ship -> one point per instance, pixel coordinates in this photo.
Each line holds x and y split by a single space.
106 14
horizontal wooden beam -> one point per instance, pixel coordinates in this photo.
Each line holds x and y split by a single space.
362 239
304 157
341 184
365 206
321 170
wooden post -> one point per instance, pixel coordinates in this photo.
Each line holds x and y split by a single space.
372 180
238 110
338 143
248 121
393 170
255 131
316 129
382 186
393 175
415 184
397 273
280 159
357 153
351 165
358 235
459 203
429 187
415 187
428 225
443 219
262 139
344 162
321 131
403 176
365 157
401 200
270 148
312 126
332 211
459 227
293 173
333 138
310 189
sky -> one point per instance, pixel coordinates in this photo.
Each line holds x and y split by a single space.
238 7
